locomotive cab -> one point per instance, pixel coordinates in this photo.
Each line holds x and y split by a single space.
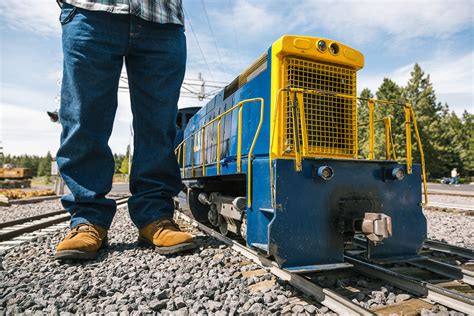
182 119
274 158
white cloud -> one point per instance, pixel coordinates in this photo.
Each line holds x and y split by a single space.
29 97
254 20
35 16
363 21
452 78
27 131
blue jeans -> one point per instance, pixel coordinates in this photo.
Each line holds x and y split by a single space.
95 45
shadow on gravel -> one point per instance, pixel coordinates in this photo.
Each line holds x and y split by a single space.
115 249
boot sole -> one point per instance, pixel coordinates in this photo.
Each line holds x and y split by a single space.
184 247
74 254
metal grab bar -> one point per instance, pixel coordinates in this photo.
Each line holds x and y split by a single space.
389 143
239 144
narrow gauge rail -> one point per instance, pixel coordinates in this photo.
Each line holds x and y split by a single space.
338 302
412 278
326 297
464 207
15 228
431 261
449 249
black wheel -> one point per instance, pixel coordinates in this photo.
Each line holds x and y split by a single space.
198 209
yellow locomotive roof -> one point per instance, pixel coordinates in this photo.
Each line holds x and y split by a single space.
308 47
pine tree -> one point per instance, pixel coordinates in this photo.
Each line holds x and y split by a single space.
44 165
420 93
466 143
390 91
124 166
118 159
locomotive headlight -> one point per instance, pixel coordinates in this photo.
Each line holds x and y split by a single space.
398 173
334 48
325 172
322 46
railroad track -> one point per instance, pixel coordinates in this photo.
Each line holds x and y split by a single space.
16 232
464 207
449 249
399 278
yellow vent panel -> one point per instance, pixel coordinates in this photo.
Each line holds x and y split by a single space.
330 119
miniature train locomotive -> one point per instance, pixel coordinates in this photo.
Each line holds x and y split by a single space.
274 158
12 177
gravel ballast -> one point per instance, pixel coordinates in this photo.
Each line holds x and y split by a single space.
18 211
456 229
213 279
136 280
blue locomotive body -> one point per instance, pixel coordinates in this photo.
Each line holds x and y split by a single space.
269 163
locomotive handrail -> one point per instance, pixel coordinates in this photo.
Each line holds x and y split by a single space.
409 119
389 143
239 144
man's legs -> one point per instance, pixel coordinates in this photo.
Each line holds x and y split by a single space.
155 65
94 44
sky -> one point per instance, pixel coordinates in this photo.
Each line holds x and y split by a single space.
224 37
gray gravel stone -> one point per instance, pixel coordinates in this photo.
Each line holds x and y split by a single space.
18 211
298 309
402 297
450 227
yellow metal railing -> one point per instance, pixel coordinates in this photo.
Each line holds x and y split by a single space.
296 96
389 144
180 150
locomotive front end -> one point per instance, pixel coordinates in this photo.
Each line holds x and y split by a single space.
323 193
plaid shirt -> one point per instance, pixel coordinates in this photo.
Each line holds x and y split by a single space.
160 11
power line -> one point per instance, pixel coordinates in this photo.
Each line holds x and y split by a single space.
188 18
191 88
236 40
212 33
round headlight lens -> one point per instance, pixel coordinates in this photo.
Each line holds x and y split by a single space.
334 49
322 45
325 172
398 173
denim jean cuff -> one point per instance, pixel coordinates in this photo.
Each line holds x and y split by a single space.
80 220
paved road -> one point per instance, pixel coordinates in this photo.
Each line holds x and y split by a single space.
120 188
462 188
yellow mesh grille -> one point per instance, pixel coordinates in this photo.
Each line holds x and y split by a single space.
330 120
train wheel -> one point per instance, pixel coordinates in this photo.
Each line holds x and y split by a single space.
199 210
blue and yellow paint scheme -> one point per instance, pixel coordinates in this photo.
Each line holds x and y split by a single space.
268 133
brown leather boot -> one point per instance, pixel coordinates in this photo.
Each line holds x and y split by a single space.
166 237
82 242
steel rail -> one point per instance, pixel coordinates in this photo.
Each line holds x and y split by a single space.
35 199
17 227
465 207
451 249
36 225
326 297
432 292
448 270
30 219
433 265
